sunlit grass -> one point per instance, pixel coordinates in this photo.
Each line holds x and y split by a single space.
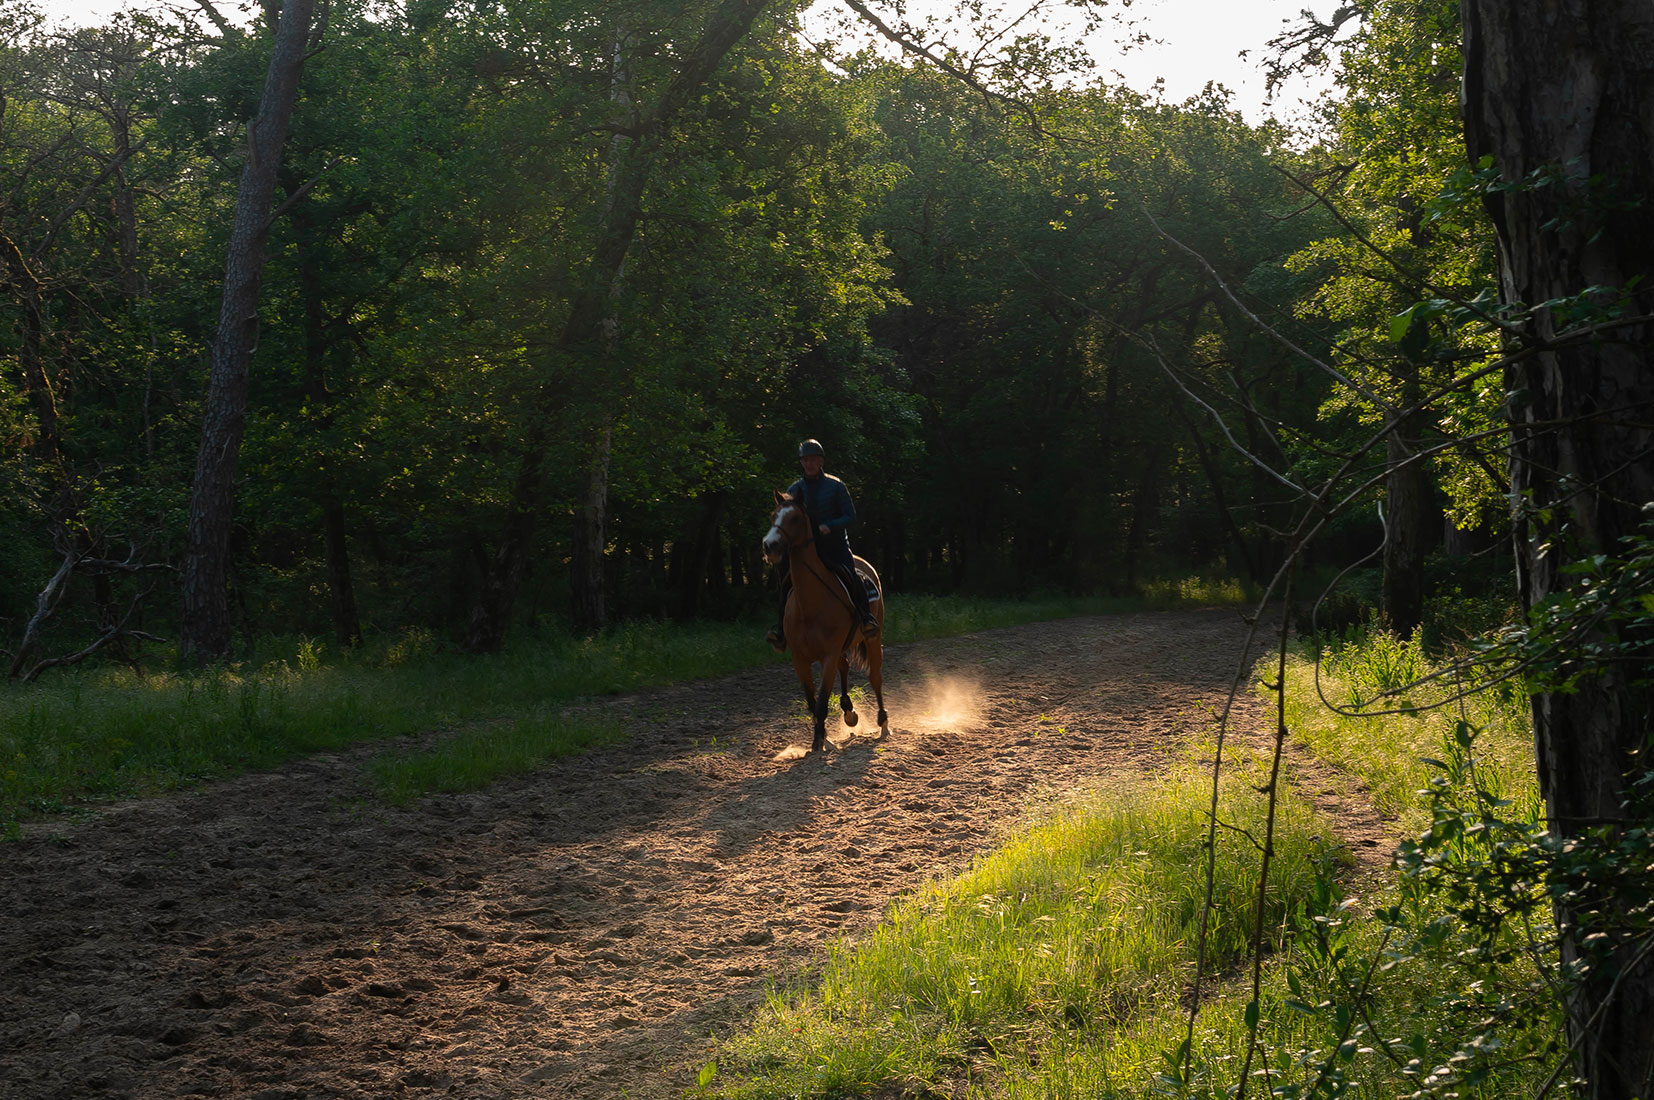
1055 967
91 734
913 617
1389 752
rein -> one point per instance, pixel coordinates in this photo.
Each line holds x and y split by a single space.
844 601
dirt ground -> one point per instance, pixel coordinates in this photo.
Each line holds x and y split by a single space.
580 931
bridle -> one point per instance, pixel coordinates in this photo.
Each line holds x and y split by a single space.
809 532
809 539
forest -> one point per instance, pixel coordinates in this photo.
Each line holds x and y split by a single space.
480 320
987 294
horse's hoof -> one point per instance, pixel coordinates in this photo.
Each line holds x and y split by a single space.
851 718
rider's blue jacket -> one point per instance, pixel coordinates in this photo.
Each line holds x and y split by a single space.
827 501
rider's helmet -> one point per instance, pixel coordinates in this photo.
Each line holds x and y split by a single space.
810 447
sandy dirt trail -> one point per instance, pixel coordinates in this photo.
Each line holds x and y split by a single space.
577 932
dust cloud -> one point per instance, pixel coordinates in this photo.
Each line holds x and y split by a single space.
947 702
937 703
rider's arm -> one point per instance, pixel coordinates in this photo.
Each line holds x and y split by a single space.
846 511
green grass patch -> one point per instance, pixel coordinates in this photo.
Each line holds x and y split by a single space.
475 757
914 617
1391 752
93 734
1053 968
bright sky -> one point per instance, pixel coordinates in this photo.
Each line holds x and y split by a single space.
1190 43
1194 41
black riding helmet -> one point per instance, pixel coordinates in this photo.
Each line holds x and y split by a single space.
810 447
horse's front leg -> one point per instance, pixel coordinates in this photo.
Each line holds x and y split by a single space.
817 702
845 703
829 672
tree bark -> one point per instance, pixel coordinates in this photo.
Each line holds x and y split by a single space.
205 624
1566 89
1411 524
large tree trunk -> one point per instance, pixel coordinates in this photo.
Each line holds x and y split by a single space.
584 331
205 625
1566 88
1412 523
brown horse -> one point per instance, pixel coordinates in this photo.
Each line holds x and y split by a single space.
820 621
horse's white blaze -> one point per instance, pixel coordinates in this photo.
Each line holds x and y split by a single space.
774 542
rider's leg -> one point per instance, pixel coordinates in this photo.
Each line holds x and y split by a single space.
777 637
858 596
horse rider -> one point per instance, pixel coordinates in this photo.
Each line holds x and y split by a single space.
826 502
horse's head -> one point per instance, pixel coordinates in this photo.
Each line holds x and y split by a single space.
789 527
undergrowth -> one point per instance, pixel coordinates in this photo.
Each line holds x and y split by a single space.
1381 708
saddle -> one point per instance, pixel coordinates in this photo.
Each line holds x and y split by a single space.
869 585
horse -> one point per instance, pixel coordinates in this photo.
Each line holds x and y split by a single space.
820 621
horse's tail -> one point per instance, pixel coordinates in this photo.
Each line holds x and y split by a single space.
857 655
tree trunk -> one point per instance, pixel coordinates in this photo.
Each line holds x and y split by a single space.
347 625
1566 89
1145 502
703 551
1411 524
586 597
1241 561
204 628
591 306
32 354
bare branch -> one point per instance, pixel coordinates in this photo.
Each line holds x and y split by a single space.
304 189
925 53
116 631
1264 326
45 604
217 17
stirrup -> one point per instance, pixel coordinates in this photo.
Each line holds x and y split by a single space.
870 627
777 639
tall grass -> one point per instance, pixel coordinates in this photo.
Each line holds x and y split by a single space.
1381 708
1055 967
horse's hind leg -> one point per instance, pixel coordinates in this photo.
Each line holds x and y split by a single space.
875 678
845 703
